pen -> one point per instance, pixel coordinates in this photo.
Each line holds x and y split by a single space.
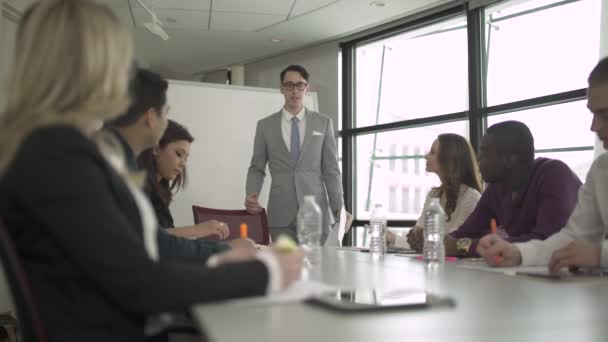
244 229
498 258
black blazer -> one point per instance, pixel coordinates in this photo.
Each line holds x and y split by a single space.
78 232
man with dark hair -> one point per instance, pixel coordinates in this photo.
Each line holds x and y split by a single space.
140 128
581 243
528 198
300 148
149 90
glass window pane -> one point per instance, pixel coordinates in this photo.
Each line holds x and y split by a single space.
393 153
405 162
540 53
558 126
392 199
375 180
405 200
416 71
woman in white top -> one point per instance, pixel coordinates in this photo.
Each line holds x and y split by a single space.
453 160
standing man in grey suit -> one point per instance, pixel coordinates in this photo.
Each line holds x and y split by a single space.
300 148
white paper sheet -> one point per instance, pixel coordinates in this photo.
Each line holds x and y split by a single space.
336 234
482 266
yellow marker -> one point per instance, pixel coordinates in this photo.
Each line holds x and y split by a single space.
286 244
244 230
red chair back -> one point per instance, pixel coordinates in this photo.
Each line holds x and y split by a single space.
257 223
30 326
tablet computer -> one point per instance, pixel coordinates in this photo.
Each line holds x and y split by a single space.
365 300
393 250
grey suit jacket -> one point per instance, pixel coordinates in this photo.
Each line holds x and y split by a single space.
315 173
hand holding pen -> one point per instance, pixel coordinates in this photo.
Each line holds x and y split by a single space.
497 258
496 251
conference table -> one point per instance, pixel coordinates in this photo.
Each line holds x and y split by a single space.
488 307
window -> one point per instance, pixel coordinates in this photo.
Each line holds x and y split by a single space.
392 199
528 45
417 160
398 78
417 200
373 177
408 84
392 156
405 200
405 159
536 48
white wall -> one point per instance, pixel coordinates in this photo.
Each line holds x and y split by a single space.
8 30
10 13
321 62
222 119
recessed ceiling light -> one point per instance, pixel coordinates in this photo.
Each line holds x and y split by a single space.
377 3
275 40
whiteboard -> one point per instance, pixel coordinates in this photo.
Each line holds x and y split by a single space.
223 120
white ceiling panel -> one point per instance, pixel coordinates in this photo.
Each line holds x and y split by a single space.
276 7
305 6
176 19
197 5
230 21
242 31
114 3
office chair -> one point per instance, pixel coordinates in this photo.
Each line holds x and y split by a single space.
257 223
30 327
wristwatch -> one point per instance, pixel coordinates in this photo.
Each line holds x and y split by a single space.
463 246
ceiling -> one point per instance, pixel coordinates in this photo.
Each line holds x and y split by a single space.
211 34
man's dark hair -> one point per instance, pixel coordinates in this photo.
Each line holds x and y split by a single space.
297 68
148 90
513 138
599 74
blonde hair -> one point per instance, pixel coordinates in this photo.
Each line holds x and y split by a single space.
71 66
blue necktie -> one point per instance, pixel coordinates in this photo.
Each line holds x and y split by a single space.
295 139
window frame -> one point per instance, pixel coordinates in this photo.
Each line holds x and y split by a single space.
477 112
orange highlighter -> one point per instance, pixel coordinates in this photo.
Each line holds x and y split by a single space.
498 258
244 230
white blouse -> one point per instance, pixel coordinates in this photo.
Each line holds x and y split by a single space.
465 204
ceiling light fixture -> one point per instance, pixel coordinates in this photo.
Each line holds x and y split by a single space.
155 26
377 3
275 40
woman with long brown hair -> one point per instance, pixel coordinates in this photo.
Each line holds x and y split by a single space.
166 175
452 158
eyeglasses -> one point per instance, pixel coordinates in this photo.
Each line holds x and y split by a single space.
291 85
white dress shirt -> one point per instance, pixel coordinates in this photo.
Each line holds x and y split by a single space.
286 126
589 220
465 204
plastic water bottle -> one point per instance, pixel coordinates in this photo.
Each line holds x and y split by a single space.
434 232
377 231
309 224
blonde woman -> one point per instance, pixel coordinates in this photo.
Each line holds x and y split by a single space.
452 158
85 235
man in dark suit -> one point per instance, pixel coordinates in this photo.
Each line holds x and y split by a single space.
140 128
